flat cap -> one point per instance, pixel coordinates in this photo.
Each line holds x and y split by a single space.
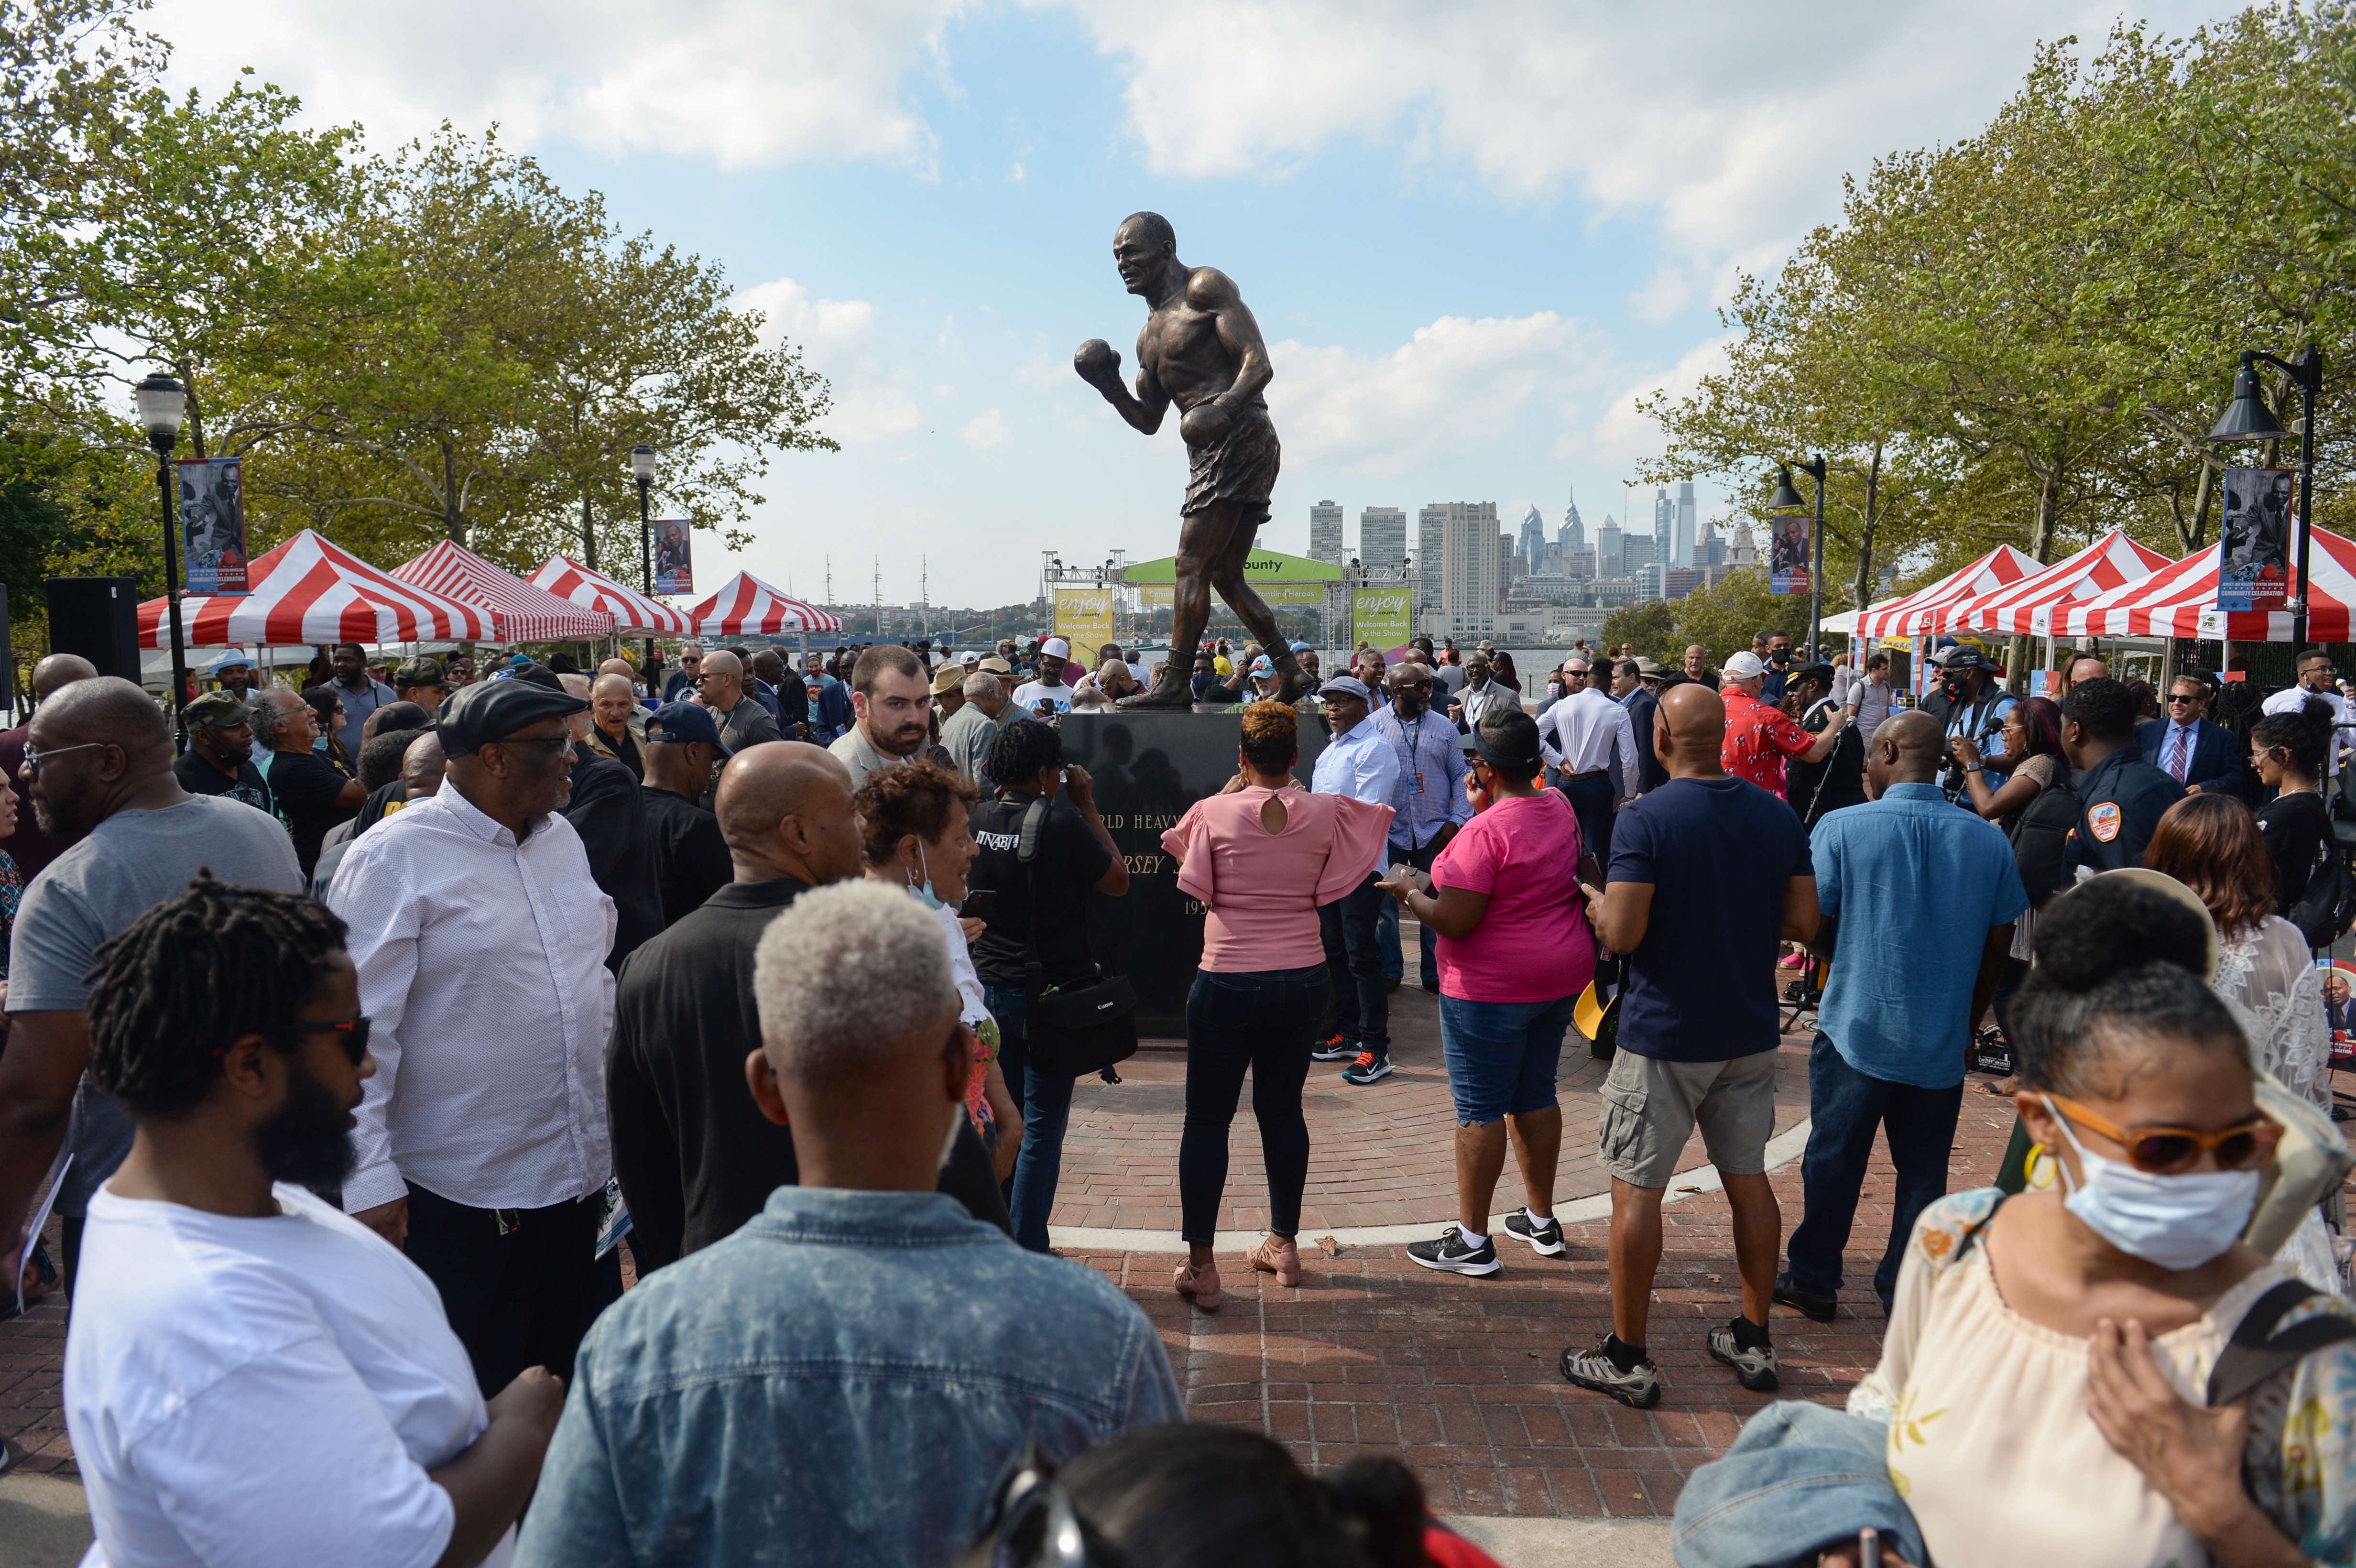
475 716
1346 685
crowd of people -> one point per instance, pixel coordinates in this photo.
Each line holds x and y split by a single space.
369 1033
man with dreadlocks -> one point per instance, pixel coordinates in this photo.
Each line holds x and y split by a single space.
98 764
251 1376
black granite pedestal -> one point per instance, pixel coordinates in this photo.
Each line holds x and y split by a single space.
1149 768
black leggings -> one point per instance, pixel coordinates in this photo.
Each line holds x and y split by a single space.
1264 1022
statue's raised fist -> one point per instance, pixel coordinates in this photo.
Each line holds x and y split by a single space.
1097 361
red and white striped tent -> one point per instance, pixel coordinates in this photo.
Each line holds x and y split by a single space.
748 606
635 614
519 613
1916 613
307 592
2179 600
2030 606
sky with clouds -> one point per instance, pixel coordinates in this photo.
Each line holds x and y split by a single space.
1472 233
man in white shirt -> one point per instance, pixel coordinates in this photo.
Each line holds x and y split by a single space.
1579 738
2315 674
480 937
1360 764
1047 695
250 1376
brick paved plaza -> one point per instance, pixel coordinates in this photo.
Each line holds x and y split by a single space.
1370 1350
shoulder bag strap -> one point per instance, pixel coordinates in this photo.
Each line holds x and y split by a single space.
1026 853
2254 1351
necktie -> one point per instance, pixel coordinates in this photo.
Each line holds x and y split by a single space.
2178 762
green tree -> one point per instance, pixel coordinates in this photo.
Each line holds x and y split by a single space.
1723 619
1650 627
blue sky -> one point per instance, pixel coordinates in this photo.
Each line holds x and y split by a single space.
1472 233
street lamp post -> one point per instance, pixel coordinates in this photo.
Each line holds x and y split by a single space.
1787 500
163 402
2247 418
642 469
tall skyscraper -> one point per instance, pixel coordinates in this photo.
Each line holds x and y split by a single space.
1430 545
1636 552
1607 548
1682 553
1534 540
1325 532
1664 525
1382 537
1472 560
1574 532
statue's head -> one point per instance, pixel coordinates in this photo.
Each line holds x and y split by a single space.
1142 247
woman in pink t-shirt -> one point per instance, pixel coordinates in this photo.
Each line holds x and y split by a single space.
1515 952
1262 855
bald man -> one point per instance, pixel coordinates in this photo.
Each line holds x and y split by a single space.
1894 1032
29 847
99 772
1708 875
696 1157
720 686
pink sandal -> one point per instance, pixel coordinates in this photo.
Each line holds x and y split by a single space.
1276 1255
1200 1281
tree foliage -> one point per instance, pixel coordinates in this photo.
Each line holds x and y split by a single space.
2024 338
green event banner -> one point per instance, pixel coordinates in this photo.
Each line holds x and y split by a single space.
1382 614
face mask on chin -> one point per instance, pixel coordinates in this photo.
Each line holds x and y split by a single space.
2177 1223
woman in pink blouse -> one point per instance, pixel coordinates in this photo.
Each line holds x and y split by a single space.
1262 855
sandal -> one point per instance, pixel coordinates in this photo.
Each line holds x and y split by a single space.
1278 1256
1200 1281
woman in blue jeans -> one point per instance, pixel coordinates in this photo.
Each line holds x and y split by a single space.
1515 952
1262 855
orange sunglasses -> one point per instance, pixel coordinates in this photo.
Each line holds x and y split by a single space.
2165 1151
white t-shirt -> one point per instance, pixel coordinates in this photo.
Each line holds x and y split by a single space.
262 1391
1028 695
975 1005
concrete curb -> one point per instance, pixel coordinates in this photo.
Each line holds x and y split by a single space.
1569 1542
1781 1149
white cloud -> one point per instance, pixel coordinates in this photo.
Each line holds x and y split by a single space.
1454 392
1624 435
838 340
986 430
744 82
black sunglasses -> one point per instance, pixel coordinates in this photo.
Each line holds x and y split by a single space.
354 1033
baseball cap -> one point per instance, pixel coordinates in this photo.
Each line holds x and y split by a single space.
1963 655
1055 647
1346 685
420 672
684 723
969 658
1822 672
1746 665
216 710
1262 667
951 678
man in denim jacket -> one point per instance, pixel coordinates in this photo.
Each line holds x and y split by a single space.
841 1380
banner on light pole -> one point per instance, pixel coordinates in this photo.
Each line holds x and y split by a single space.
1787 556
212 526
2254 550
674 556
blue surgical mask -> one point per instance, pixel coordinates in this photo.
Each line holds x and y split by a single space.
923 889
2176 1222
320 744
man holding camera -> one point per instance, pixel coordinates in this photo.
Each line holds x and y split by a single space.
1977 707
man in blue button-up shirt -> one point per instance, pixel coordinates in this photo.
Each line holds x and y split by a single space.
1893 1036
1429 804
1360 764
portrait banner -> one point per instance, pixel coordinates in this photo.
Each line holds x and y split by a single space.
674 567
1788 557
2254 552
212 526
1085 617
1382 615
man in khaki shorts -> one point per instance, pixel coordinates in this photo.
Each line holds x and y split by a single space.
1708 875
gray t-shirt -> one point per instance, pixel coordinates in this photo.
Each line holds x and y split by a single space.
131 862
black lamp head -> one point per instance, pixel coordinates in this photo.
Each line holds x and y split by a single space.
163 403
1785 498
2247 418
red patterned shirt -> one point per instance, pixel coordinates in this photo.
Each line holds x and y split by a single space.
1758 739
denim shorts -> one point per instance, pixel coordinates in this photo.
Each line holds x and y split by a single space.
1501 1056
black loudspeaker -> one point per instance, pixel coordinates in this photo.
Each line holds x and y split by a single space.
97 617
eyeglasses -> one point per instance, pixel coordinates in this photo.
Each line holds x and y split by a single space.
33 758
2165 1151
354 1033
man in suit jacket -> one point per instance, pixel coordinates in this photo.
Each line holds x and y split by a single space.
2191 749
1481 693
